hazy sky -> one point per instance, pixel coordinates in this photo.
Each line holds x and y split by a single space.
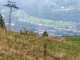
65 0
0 0
39 3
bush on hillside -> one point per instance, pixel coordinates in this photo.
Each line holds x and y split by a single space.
23 31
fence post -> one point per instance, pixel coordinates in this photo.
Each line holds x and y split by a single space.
45 51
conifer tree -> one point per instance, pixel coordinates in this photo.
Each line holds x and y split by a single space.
45 33
2 24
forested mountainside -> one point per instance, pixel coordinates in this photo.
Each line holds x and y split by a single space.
65 10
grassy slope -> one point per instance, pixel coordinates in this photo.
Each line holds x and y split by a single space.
15 46
46 21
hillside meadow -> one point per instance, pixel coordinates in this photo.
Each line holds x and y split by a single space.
30 46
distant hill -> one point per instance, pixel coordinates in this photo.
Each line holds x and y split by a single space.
51 9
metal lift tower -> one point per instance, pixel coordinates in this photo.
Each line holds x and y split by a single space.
11 5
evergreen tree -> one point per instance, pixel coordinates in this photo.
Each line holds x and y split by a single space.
45 33
2 24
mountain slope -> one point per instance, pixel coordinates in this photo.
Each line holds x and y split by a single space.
14 45
58 10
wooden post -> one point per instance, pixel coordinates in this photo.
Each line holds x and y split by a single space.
45 51
52 58
69 58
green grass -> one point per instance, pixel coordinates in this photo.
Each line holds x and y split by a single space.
75 41
72 39
61 24
4 10
17 14
46 21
